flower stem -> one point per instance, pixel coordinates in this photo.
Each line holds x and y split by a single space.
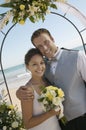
64 120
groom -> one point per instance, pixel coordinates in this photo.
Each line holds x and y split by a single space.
66 69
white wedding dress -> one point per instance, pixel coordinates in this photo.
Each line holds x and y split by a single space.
49 124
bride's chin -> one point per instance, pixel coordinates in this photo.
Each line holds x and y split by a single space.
39 75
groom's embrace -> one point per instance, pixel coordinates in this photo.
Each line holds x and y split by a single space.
68 71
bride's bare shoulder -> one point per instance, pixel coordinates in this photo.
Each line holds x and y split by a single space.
29 85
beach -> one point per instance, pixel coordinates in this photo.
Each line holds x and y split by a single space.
13 84
15 100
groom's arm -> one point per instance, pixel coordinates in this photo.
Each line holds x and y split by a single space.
24 93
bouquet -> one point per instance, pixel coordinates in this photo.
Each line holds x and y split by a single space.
51 98
10 118
20 10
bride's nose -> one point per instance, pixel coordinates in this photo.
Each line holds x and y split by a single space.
39 67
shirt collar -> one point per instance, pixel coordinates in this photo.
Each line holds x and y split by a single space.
56 55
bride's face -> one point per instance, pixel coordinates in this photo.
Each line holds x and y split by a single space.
37 66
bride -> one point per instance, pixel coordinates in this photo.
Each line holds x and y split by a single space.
34 117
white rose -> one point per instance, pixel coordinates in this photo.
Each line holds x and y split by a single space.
45 101
56 101
4 128
15 124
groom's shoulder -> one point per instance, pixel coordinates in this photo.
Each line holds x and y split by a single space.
72 50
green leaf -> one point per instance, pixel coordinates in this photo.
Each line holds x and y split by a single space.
32 19
7 5
64 120
53 6
40 99
42 88
43 18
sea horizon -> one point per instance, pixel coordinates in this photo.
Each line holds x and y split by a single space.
15 75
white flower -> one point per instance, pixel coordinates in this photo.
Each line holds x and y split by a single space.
61 108
22 13
48 11
5 19
7 1
19 114
55 101
45 101
32 10
4 128
15 124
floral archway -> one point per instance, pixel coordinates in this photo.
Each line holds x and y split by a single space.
37 11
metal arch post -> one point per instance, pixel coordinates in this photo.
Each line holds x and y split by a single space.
1 62
74 27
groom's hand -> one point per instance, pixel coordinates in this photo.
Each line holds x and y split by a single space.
24 93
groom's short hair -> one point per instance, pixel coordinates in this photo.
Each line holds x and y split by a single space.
38 32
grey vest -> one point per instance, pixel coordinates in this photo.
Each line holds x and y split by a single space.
67 77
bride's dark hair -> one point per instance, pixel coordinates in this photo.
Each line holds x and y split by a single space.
30 54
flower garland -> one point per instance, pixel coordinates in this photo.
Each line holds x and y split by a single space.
20 10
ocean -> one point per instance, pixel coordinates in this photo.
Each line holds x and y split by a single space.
14 75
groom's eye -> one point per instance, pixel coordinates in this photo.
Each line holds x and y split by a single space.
40 47
42 62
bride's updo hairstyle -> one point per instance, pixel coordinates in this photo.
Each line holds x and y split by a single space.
32 52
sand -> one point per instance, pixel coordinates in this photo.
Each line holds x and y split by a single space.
15 100
12 87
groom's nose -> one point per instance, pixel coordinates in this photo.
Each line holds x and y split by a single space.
44 47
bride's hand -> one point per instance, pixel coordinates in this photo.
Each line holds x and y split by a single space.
24 93
55 112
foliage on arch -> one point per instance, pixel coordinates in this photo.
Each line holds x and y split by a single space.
20 10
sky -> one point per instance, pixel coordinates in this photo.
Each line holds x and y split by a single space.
18 40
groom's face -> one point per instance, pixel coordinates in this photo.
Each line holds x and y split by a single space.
45 44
